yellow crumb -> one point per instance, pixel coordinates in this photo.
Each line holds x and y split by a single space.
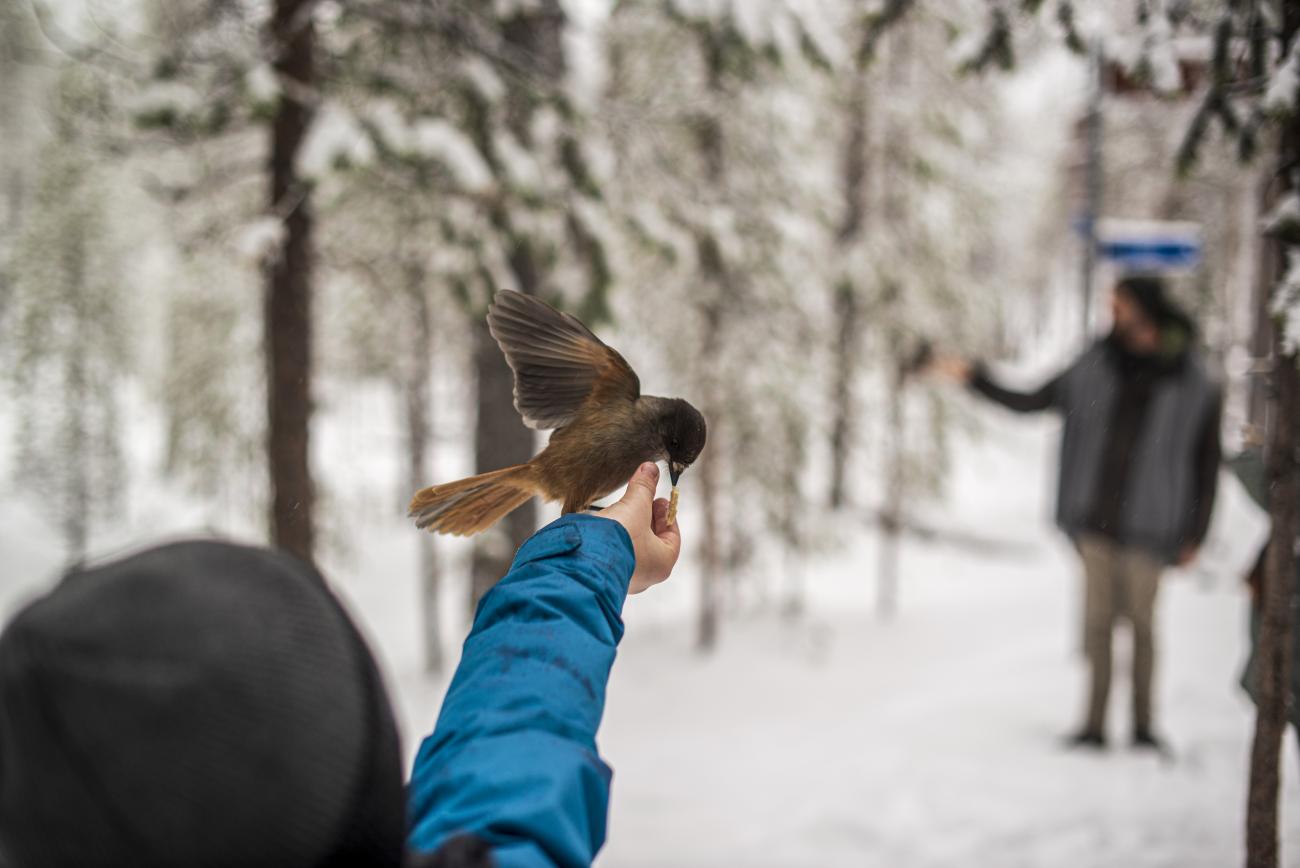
672 508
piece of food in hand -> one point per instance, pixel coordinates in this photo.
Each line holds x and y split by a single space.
671 517
566 378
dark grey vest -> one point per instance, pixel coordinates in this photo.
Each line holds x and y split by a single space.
1158 504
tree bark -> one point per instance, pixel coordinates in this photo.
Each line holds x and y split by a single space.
793 533
891 513
710 472
500 437
17 54
1274 648
847 351
714 272
288 303
891 202
79 499
500 440
847 304
1261 335
417 394
706 634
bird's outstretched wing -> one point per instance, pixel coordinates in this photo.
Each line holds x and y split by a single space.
558 363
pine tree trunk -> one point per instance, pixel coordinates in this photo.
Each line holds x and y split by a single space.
710 467
1269 271
847 304
891 513
1274 648
845 370
500 440
714 272
288 325
78 496
17 54
894 210
706 635
709 470
793 531
417 395
1273 654
77 504
535 35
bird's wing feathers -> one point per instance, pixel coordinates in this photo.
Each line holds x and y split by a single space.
558 363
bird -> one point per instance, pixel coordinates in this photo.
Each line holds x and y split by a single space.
566 379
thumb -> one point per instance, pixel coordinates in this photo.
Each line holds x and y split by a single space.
641 487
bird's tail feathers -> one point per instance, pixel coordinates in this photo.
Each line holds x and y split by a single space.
472 505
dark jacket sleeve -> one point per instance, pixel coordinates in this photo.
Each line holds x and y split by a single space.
512 759
1046 397
1209 454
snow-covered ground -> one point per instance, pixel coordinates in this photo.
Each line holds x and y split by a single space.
933 739
837 738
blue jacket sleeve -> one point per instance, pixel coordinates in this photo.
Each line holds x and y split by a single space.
513 756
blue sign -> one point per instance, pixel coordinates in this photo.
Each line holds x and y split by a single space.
1149 245
1150 254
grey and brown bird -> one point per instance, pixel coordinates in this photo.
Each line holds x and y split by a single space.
567 379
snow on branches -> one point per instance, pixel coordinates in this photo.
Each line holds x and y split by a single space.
1286 304
1279 100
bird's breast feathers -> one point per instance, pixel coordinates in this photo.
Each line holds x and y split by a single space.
599 452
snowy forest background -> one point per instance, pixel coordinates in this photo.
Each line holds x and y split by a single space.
228 226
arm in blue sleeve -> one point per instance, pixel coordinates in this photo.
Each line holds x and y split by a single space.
513 756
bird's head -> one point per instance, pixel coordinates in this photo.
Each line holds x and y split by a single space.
684 432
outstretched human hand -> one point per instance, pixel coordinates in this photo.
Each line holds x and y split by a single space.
656 542
951 368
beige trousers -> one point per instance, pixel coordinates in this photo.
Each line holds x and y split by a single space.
1118 580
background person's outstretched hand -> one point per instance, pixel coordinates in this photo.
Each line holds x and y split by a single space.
951 368
657 544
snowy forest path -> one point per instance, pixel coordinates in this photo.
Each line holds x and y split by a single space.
933 739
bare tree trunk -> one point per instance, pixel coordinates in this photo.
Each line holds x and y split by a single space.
893 210
1269 271
713 269
847 352
710 574
77 495
710 471
891 513
430 603
706 634
1274 648
1273 654
848 339
17 55
500 440
792 523
288 326
417 395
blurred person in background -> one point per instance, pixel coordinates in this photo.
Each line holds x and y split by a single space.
209 704
1139 463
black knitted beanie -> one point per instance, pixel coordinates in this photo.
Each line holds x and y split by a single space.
198 704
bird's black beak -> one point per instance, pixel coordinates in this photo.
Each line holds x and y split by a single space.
675 469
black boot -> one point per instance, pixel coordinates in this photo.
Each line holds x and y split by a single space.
1086 737
1144 739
